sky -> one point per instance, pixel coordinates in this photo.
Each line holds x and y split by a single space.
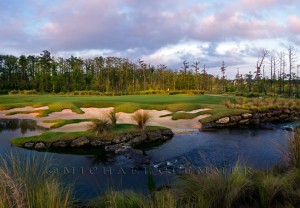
156 31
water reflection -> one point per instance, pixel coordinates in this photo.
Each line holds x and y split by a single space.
24 125
95 155
219 148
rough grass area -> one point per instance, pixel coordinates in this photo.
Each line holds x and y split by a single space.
60 122
242 105
263 104
50 137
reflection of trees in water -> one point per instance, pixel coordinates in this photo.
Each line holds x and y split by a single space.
97 155
15 124
102 158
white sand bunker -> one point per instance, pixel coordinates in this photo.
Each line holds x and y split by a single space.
22 116
177 126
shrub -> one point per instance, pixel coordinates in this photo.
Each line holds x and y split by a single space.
174 92
228 104
100 126
113 117
22 92
141 117
240 100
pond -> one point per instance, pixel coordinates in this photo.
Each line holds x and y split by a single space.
95 171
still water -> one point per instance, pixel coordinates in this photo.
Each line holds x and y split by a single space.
94 171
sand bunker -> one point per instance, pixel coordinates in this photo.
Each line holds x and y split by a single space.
177 126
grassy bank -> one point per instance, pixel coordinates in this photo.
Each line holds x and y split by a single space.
263 104
50 137
240 105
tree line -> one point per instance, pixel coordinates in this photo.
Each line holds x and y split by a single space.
47 74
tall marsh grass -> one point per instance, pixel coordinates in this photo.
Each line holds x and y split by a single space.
26 183
263 103
291 154
215 189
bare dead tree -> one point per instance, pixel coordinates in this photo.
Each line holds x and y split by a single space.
292 60
281 73
260 63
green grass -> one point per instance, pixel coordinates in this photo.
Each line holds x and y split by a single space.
128 104
21 112
50 137
223 113
183 115
60 122
123 102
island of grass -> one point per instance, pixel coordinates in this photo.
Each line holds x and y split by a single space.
119 133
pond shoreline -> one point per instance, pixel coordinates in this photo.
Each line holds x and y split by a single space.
253 118
131 138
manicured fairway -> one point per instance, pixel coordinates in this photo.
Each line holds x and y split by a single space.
143 99
128 103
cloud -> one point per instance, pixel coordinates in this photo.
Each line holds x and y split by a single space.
257 4
116 25
294 24
232 25
168 31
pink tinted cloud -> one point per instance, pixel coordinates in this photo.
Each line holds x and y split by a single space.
235 25
294 24
120 25
257 4
108 23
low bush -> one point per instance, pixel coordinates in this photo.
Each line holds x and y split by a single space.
141 117
22 92
190 92
113 117
100 126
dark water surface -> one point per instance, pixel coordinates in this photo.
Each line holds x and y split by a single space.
95 171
